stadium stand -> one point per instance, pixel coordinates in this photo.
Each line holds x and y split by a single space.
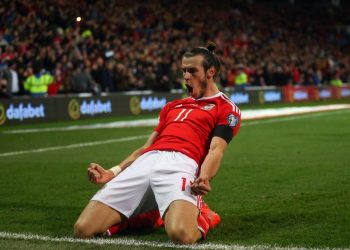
133 45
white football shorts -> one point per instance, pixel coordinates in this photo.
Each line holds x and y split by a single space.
155 179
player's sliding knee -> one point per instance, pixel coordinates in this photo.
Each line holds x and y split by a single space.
82 231
182 235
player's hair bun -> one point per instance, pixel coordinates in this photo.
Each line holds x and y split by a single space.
211 46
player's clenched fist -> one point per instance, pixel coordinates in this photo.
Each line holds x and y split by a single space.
200 186
98 174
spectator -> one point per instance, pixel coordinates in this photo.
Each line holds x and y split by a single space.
97 71
37 83
336 81
107 76
241 78
5 83
279 47
15 89
82 81
59 78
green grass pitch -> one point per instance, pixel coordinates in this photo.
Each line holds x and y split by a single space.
284 183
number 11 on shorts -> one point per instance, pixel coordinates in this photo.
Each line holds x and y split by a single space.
184 182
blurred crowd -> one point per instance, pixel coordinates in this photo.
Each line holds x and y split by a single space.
109 46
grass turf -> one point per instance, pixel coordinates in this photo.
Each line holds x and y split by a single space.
283 183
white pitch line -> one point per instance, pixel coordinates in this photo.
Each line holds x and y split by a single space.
287 111
154 244
79 145
120 124
294 117
87 144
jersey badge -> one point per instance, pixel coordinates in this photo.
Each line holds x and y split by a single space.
232 120
208 106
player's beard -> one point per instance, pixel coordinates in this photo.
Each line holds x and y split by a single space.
203 84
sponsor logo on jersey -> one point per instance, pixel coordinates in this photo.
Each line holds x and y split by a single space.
208 106
232 120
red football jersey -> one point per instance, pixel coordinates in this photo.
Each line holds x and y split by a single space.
187 125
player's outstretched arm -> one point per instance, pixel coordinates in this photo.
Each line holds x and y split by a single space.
210 166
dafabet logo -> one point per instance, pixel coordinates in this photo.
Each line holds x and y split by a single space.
21 111
91 108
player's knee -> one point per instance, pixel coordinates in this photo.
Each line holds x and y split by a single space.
82 231
182 235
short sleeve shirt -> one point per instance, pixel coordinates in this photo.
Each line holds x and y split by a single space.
187 125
